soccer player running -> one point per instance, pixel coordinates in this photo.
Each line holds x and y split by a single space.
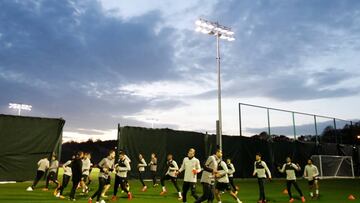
208 177
43 165
141 167
170 175
231 168
122 168
106 165
54 164
191 167
66 178
290 169
260 171
311 173
86 165
223 184
76 169
153 168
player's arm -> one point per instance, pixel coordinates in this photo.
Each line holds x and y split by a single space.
101 165
266 169
207 164
175 168
296 166
316 171
282 170
197 167
142 163
254 173
305 172
182 168
232 169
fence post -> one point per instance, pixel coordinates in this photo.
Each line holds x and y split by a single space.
268 118
294 125
316 132
240 124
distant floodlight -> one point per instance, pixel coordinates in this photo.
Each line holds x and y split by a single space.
220 32
20 107
358 137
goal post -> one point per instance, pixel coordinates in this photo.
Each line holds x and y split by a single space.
334 166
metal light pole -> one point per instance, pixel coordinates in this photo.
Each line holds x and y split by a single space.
220 32
20 107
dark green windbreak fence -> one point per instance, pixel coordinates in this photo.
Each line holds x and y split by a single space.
24 141
241 150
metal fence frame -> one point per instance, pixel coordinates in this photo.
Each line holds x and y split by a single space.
315 116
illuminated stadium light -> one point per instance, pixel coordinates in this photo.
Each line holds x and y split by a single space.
220 32
358 137
20 107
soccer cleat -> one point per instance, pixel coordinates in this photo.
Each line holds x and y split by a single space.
55 192
90 200
113 198
180 198
58 195
102 201
62 197
144 189
163 192
29 189
291 200
130 196
303 199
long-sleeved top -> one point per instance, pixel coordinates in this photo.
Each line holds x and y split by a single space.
67 168
191 166
54 165
142 164
106 165
153 164
86 166
231 170
122 168
210 166
223 173
261 169
290 170
76 169
172 168
311 172
43 164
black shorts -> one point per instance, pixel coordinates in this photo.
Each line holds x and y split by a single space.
84 177
311 182
223 187
52 176
108 181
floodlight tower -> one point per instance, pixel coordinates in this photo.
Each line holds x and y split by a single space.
20 107
220 32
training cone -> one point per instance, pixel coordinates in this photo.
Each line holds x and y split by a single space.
351 197
285 192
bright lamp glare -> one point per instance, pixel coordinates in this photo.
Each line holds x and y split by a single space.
198 29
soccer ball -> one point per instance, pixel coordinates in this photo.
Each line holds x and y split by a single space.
102 201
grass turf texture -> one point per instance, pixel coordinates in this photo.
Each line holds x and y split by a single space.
331 191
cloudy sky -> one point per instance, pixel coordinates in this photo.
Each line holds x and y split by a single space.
138 62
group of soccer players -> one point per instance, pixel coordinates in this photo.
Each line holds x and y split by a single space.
216 178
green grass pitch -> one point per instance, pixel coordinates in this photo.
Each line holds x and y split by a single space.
332 191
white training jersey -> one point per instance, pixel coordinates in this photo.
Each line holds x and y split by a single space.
190 165
142 164
290 170
311 172
223 172
261 169
172 168
86 165
67 168
122 168
43 164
